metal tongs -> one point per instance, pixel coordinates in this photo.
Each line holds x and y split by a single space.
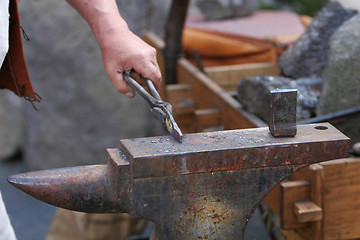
161 110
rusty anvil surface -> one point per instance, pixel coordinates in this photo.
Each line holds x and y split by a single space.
204 188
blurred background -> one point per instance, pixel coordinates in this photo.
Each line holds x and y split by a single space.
80 114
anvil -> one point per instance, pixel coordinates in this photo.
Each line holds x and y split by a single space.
204 188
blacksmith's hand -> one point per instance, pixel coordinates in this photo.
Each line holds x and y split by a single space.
121 49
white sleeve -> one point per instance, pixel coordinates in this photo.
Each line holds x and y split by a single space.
6 230
4 29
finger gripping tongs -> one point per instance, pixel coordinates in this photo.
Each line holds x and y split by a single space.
161 110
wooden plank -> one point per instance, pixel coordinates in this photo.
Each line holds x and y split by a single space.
177 93
317 196
207 94
289 234
229 77
307 211
180 98
183 108
207 119
186 122
272 200
342 199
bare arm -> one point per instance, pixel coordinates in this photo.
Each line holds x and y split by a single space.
121 49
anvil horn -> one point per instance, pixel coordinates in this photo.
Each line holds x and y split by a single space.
86 188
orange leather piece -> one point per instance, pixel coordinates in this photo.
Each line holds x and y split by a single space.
14 74
217 49
306 20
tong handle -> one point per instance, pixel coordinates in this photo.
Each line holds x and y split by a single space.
134 84
152 88
161 109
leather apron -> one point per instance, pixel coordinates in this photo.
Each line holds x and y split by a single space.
14 74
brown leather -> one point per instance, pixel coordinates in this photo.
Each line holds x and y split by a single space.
14 74
217 49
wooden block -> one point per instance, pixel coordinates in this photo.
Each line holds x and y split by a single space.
307 211
290 192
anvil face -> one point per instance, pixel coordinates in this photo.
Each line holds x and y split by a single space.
204 188
231 150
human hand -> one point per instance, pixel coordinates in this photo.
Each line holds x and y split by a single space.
124 51
121 49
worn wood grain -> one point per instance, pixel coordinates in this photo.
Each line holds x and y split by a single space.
229 77
290 192
207 94
342 199
207 119
307 211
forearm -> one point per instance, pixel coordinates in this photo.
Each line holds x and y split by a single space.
121 49
102 16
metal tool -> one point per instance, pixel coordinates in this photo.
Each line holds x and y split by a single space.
205 188
282 121
160 109
339 116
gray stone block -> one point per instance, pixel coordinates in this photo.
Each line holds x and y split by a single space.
254 94
308 56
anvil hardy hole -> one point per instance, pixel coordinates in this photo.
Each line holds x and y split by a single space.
321 127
